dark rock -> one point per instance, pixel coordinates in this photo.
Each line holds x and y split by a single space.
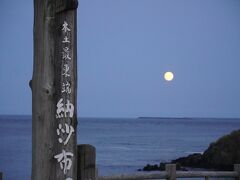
149 167
161 167
193 160
220 155
223 153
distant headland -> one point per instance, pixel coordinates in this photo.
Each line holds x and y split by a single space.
220 155
149 117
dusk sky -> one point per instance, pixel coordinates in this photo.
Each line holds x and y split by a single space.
124 49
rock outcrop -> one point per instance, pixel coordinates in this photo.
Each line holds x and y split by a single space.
220 155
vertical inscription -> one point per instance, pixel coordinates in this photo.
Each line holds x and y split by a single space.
64 106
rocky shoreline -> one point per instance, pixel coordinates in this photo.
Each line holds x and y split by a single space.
220 155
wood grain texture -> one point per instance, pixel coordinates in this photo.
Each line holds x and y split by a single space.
237 170
43 104
194 174
171 171
86 162
138 176
165 175
64 5
46 90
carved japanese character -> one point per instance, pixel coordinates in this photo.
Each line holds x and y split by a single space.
68 130
65 70
66 87
66 53
64 160
65 40
64 110
65 27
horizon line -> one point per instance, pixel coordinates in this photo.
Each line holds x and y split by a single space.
141 117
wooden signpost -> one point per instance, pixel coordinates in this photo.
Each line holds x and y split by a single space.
54 91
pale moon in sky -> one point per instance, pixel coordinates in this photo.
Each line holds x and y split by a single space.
168 76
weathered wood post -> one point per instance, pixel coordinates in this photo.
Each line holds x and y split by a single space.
54 91
171 171
237 169
86 162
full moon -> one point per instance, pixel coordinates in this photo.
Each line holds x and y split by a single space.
168 76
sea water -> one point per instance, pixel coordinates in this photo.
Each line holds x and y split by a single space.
123 145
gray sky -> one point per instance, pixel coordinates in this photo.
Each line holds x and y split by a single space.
124 48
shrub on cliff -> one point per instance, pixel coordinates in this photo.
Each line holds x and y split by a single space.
223 153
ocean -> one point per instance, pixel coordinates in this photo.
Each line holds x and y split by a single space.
123 145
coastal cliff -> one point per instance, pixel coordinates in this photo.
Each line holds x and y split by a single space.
220 155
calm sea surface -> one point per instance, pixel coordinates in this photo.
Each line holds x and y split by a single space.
123 145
